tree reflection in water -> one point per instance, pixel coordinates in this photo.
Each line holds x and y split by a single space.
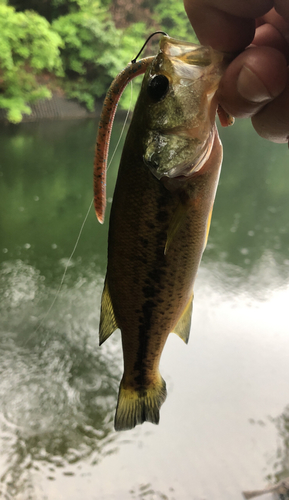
281 465
147 492
279 480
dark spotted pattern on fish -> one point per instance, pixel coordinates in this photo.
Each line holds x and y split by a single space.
159 221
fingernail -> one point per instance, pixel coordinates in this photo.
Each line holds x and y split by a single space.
250 86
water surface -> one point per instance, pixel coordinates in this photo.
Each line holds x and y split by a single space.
224 425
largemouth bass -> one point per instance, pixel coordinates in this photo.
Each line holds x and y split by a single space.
160 217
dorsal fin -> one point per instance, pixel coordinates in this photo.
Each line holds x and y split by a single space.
117 87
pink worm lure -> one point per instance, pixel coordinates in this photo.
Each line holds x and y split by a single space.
113 95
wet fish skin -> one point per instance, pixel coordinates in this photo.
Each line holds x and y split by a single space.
149 283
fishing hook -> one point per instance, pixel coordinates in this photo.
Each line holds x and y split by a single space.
153 34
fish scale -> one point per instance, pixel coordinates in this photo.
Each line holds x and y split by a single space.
160 219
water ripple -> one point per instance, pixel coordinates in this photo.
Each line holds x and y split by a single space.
57 389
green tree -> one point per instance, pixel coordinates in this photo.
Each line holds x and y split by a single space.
95 50
84 43
51 9
170 16
28 47
90 43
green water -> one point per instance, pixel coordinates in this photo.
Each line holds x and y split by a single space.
226 415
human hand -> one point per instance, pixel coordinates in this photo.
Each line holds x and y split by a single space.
256 83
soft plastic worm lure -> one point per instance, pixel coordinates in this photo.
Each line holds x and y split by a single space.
133 69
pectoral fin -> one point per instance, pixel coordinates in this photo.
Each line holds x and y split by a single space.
176 223
108 323
208 227
183 326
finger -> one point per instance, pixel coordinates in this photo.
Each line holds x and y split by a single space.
269 36
272 122
280 23
224 24
282 7
254 78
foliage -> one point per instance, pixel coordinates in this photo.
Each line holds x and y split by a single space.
171 17
128 12
126 51
94 51
28 46
52 9
85 43
90 39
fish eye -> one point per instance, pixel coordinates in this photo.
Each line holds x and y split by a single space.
158 87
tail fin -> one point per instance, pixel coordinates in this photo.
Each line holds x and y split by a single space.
135 407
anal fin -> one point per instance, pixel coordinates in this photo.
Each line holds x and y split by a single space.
108 323
183 326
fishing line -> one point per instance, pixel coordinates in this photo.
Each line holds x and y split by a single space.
83 224
65 271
